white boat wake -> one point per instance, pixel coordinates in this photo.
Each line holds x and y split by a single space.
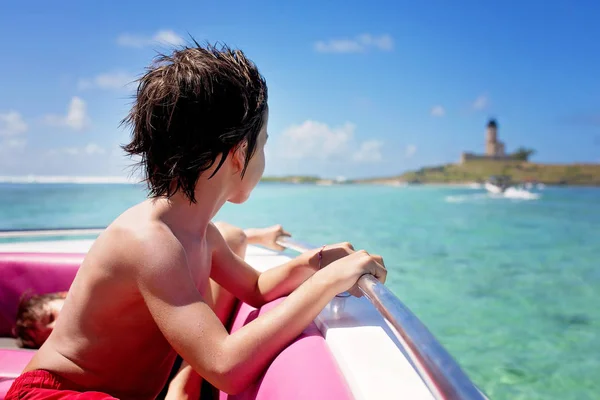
466 198
513 193
510 193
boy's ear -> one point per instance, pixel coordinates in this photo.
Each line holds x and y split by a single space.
239 157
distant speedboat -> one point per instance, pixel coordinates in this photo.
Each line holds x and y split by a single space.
520 193
497 184
502 186
492 188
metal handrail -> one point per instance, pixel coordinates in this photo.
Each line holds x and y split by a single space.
440 372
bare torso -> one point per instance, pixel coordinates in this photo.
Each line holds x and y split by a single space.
105 338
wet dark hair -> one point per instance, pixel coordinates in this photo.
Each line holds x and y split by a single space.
30 315
191 108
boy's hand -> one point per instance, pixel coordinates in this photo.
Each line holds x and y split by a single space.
331 253
344 273
267 237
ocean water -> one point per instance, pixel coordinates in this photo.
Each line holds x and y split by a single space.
510 286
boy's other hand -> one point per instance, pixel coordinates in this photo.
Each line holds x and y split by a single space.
268 237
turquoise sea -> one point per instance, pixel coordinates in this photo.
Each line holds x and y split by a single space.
510 287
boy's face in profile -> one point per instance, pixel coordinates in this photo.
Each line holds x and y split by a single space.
256 166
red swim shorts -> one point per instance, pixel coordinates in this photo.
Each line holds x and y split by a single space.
44 385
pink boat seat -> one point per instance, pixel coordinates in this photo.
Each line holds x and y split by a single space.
4 386
37 273
21 273
12 363
304 370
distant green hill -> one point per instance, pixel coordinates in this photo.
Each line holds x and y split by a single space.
479 171
291 179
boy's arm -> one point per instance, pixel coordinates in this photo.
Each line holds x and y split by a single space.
267 237
232 362
256 288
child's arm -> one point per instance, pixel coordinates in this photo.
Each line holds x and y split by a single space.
266 237
232 362
255 288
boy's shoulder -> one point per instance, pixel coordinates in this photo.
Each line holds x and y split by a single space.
139 245
215 239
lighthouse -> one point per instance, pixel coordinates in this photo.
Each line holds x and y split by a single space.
493 147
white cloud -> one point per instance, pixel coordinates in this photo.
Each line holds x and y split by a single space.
12 152
75 119
359 44
111 80
169 37
8 148
438 111
12 124
318 141
369 151
67 179
90 149
90 158
313 139
93 148
410 151
162 37
480 103
15 143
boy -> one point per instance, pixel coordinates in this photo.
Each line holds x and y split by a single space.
200 126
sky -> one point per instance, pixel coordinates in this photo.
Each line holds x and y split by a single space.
356 89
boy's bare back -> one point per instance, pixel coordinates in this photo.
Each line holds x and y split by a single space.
92 345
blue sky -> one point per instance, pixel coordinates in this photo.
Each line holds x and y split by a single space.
356 88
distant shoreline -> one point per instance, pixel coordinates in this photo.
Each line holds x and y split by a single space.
469 174
477 172
389 184
471 185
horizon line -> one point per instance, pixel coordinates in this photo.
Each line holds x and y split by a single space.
68 179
